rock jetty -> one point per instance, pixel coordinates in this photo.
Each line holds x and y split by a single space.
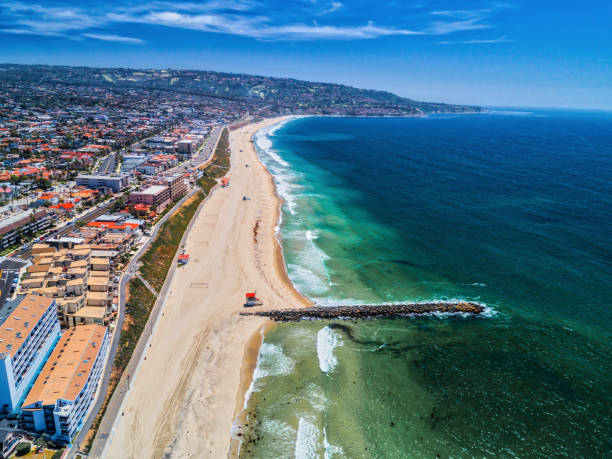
367 311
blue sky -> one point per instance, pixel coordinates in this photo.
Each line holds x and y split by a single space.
495 53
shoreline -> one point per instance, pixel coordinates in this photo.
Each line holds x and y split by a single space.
202 353
251 348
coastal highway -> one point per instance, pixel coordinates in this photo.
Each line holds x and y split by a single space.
206 150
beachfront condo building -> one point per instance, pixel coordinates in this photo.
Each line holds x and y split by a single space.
28 331
66 387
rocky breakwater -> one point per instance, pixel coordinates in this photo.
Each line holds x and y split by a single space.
368 311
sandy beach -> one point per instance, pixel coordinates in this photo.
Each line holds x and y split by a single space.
184 396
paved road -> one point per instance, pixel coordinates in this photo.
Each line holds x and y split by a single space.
116 400
107 164
209 145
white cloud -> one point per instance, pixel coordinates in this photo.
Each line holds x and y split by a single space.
334 6
477 41
259 26
244 18
445 28
462 14
115 38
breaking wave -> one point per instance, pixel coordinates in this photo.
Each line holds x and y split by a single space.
327 340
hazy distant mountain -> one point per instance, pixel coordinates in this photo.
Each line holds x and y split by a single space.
279 95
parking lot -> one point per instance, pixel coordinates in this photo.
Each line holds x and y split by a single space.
8 268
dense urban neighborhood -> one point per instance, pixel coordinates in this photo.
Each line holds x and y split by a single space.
101 171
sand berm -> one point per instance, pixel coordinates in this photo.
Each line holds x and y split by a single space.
185 395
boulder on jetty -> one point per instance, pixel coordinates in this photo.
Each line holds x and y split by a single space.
368 311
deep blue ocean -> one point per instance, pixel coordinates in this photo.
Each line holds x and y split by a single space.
511 209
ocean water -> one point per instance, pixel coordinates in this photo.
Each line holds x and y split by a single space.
510 209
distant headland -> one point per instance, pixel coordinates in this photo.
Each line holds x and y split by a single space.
267 96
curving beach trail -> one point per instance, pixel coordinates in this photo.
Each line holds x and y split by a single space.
183 397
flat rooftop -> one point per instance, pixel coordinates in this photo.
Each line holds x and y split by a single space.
20 321
68 367
99 177
153 189
96 312
101 280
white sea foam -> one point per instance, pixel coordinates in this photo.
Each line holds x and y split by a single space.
313 257
327 340
272 154
263 141
271 361
311 235
305 279
308 269
316 397
306 441
330 301
287 190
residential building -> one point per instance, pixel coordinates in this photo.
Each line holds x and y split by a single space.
25 222
155 195
87 315
28 331
149 168
113 181
186 148
176 185
66 387
9 438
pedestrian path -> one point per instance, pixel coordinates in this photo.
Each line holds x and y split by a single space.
147 285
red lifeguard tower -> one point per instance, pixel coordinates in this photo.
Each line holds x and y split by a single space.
225 182
252 300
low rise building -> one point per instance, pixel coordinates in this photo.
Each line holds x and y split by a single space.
149 168
114 182
98 283
87 315
66 387
9 438
28 331
26 222
98 299
100 264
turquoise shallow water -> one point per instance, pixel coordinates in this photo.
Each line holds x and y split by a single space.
512 210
